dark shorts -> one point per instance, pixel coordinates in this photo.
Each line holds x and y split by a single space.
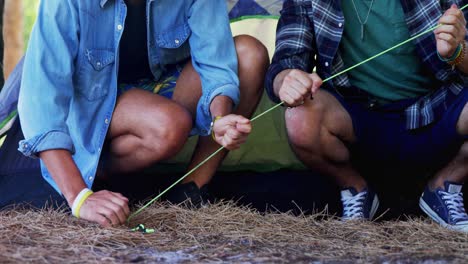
383 142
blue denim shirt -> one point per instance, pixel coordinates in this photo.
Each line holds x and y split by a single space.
69 85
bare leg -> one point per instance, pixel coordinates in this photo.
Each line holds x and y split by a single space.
253 62
317 131
457 169
143 130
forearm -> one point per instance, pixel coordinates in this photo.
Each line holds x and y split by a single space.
64 172
221 106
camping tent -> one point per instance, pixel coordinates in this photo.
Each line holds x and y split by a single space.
240 8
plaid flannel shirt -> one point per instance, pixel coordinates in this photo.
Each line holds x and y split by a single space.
309 33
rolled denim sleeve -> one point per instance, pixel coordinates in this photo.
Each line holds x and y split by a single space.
46 141
47 82
213 56
294 43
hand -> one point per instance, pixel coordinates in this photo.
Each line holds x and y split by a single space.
105 208
231 131
297 86
451 33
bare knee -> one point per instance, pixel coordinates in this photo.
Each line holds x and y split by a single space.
253 62
301 134
168 131
315 137
252 57
251 51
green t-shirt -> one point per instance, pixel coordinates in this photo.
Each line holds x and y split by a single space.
397 75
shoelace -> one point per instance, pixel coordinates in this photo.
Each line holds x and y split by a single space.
353 206
454 202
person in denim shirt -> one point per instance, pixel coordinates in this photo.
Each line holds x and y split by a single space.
141 76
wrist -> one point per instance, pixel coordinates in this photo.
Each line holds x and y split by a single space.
212 126
72 193
79 201
460 56
221 105
278 81
456 54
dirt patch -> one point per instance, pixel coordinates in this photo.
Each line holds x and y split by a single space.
224 233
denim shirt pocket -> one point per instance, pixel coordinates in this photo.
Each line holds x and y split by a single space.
174 44
95 73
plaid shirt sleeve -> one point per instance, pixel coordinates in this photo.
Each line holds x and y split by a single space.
294 43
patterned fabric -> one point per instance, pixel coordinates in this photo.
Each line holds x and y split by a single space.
309 33
239 8
164 86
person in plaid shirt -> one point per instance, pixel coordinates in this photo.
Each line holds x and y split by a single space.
405 109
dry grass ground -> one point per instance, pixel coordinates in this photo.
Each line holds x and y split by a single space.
224 233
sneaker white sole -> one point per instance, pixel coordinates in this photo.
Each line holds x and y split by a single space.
434 216
375 206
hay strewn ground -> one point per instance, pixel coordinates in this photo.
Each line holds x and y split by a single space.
224 233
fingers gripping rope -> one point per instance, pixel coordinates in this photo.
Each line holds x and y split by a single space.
280 104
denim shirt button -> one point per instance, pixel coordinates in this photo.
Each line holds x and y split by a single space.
98 64
90 178
177 41
106 121
340 24
326 64
119 27
25 145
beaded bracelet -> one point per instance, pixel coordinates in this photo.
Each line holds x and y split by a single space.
454 55
461 56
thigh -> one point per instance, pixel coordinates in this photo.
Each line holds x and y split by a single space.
188 89
138 112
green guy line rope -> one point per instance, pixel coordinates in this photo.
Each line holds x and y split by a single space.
174 184
278 105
